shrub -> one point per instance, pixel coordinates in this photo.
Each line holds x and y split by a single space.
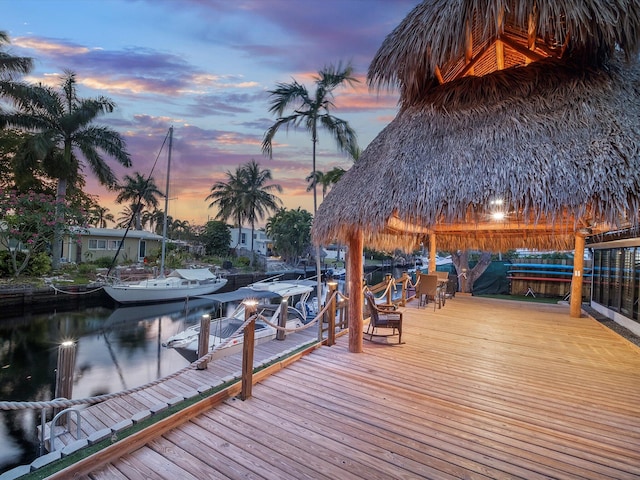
243 261
39 264
103 262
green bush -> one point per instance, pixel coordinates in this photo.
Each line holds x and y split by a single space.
39 265
243 261
5 262
103 262
85 268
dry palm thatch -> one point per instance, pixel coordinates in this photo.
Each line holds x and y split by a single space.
441 40
560 145
525 102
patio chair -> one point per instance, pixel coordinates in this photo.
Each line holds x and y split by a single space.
443 280
428 289
382 316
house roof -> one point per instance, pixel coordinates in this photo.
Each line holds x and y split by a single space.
555 138
119 233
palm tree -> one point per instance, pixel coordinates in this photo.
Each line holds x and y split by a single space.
141 190
228 197
312 112
9 64
63 134
314 179
258 200
100 216
10 67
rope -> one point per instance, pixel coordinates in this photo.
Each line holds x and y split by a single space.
63 403
305 326
76 293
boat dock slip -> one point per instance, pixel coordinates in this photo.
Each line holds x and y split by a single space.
483 388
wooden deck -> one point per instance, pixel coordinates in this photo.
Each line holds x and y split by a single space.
482 388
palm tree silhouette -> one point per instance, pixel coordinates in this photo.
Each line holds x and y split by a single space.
64 135
312 112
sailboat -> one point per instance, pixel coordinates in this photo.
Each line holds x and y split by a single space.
179 284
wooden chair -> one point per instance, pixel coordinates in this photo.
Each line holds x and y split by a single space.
443 279
428 289
382 316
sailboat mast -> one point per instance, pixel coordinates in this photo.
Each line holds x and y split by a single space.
166 206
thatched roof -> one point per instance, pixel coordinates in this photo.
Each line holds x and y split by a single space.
555 137
441 40
559 145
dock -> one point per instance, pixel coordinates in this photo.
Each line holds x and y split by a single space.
482 388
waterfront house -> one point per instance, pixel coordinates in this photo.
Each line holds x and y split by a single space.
89 244
241 240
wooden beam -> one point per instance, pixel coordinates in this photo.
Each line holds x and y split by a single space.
432 252
356 273
439 76
469 66
468 52
529 55
532 33
499 55
575 305
499 44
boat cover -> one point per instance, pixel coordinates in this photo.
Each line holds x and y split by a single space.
287 288
193 273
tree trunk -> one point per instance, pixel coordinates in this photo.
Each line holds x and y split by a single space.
56 248
466 276
253 228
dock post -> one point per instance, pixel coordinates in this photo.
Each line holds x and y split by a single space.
250 309
203 340
64 371
282 319
331 293
388 278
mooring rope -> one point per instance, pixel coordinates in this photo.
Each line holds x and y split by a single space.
75 293
64 403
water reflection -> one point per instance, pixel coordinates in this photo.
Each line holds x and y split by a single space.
116 350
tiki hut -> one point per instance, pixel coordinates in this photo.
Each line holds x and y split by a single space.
518 126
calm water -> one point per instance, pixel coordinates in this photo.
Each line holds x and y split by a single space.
116 350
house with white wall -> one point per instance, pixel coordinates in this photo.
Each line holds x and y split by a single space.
241 239
89 244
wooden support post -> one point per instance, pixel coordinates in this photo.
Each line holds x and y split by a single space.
282 319
247 350
203 340
331 313
405 284
575 305
432 253
356 298
388 278
64 373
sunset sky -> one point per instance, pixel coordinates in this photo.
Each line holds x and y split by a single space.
205 66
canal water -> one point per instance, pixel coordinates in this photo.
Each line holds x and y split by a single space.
116 349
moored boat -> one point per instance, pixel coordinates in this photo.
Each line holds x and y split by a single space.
270 297
179 284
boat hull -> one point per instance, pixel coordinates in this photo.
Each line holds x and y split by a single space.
161 291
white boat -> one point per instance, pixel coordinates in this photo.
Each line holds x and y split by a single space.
180 283
225 329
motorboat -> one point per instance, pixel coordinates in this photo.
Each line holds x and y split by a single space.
180 283
224 334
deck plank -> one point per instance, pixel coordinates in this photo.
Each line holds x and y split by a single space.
481 389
